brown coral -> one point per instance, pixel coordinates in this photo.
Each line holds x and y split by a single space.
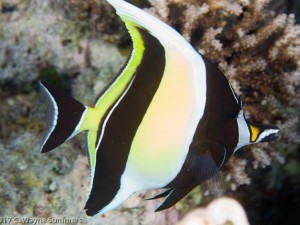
102 18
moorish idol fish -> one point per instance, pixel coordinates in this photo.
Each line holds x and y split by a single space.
168 120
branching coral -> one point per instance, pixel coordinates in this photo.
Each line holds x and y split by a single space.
257 46
101 18
161 9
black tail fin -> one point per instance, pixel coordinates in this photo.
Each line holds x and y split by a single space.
64 116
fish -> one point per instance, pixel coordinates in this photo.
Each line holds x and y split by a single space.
168 120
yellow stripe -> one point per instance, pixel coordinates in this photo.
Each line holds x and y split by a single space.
118 87
254 133
92 148
93 116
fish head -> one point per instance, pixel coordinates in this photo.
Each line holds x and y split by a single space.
250 133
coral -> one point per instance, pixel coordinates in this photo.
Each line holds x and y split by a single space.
221 211
237 175
44 41
8 6
101 19
159 8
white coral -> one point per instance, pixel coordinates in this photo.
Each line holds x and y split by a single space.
219 212
262 159
192 14
210 37
159 8
228 6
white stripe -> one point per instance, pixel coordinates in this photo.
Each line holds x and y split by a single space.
243 132
163 32
224 157
119 76
237 100
92 168
266 133
78 125
55 116
124 193
165 199
111 111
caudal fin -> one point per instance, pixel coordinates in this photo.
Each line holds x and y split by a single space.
64 115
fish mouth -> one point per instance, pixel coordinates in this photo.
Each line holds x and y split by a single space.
272 136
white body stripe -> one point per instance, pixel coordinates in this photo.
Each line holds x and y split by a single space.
162 140
128 187
244 133
163 32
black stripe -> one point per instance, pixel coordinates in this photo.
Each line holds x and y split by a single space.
218 123
123 124
99 131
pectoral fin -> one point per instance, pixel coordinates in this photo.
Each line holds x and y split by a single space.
204 161
201 167
205 158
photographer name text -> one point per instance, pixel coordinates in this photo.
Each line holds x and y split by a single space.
35 221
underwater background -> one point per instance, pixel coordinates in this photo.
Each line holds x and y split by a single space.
79 45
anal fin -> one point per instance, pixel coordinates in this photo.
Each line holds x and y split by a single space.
174 196
161 195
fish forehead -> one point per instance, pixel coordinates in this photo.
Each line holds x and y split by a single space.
162 140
